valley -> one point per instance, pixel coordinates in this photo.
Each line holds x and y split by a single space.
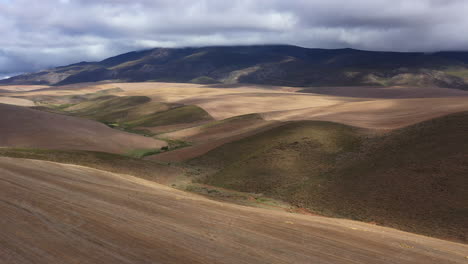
372 159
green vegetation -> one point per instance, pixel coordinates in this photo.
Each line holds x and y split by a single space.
204 80
458 72
175 143
331 137
172 145
61 106
412 179
141 153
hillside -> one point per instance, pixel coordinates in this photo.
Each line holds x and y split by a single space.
272 65
75 213
413 178
116 163
24 127
135 112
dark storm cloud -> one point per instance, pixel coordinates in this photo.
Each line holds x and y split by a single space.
38 34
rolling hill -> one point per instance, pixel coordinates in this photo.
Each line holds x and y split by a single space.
29 128
56 213
413 178
269 64
134 112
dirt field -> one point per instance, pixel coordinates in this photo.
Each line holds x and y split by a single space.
396 92
23 127
54 213
377 114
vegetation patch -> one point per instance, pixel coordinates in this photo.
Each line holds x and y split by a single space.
175 143
141 153
458 72
204 80
413 179
172 145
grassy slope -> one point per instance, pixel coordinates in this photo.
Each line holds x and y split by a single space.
135 111
178 115
413 179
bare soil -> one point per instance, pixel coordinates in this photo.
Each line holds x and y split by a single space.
55 213
23 127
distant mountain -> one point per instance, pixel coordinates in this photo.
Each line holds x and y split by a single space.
269 64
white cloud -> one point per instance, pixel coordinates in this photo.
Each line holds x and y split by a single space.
38 34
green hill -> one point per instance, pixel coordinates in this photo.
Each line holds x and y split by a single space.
414 179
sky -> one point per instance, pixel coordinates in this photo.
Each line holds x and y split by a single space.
38 34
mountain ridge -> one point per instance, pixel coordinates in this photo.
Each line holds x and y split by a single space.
265 64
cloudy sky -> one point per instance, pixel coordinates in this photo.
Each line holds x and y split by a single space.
42 33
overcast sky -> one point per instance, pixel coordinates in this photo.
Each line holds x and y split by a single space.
41 33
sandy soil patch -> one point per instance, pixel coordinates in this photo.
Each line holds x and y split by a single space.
16 101
378 114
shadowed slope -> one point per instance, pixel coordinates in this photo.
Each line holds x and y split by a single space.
413 178
77 214
23 127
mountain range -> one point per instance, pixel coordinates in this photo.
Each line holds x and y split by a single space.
267 65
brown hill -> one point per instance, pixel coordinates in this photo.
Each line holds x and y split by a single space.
23 127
